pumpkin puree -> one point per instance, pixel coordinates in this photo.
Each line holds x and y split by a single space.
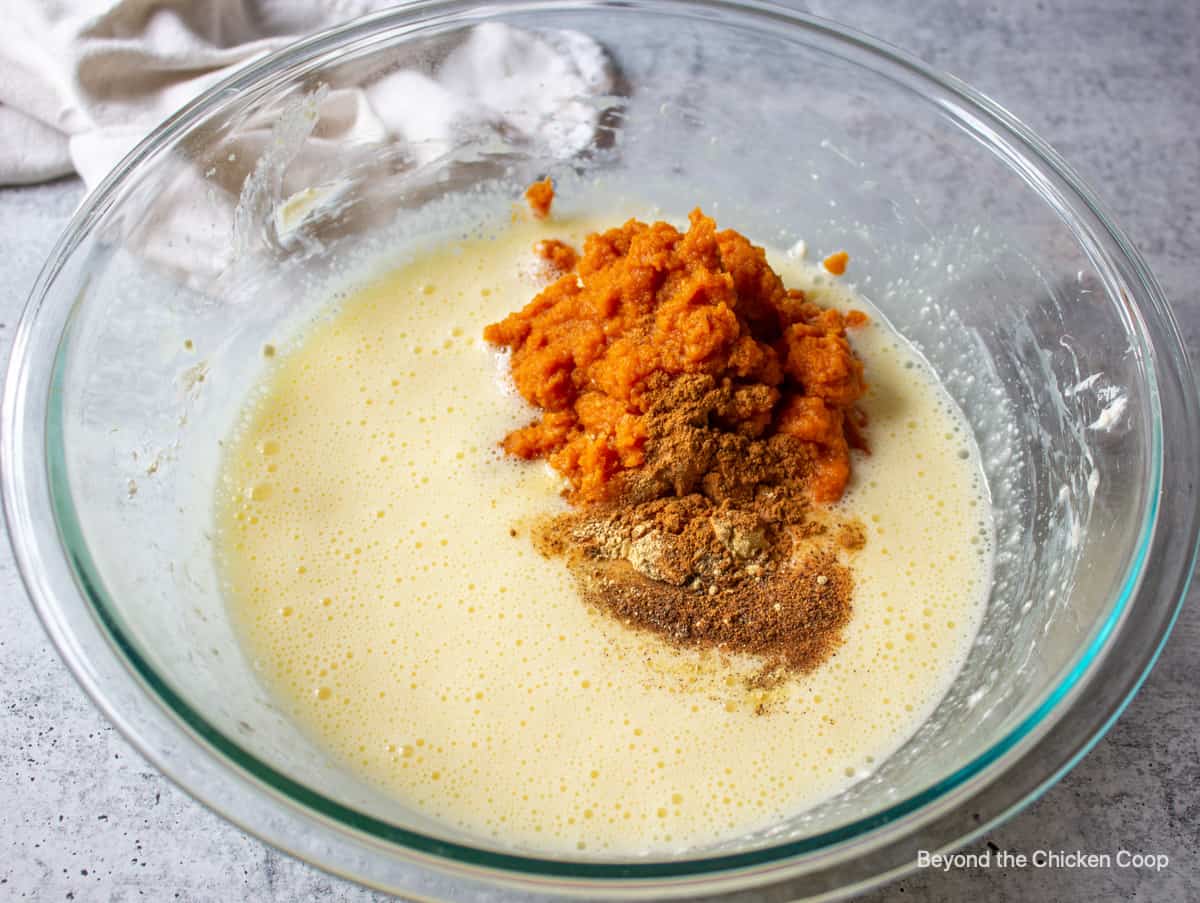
645 304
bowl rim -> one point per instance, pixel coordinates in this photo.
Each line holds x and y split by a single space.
36 545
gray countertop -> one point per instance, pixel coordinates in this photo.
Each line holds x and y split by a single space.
1115 86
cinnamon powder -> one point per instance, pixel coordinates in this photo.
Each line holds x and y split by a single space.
703 415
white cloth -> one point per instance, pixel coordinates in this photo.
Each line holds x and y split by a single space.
81 81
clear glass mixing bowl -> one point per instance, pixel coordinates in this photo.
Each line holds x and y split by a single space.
971 235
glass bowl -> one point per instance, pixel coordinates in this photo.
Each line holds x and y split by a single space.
227 227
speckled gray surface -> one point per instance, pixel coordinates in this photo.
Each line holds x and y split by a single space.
1115 86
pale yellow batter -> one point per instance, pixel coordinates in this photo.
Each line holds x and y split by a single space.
366 528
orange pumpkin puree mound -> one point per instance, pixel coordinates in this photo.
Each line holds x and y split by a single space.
645 303
540 196
836 263
558 254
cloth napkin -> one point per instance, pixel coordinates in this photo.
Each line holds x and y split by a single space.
82 81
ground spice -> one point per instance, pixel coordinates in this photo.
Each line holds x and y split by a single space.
715 541
702 413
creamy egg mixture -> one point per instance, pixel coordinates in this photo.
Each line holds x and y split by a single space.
372 539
